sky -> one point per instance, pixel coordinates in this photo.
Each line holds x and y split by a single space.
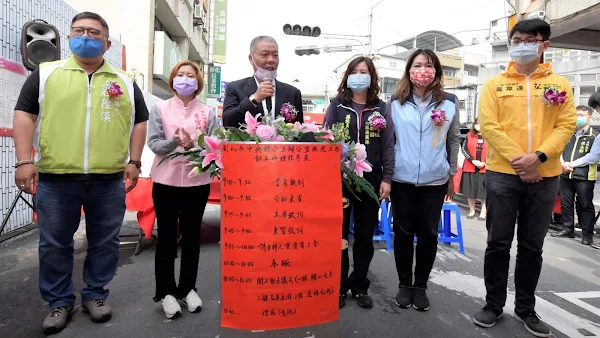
393 21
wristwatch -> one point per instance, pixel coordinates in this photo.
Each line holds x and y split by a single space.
253 100
138 164
543 158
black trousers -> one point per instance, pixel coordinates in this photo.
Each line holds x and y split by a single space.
511 201
417 210
584 189
186 205
366 218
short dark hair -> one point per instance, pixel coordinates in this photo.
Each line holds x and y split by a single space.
93 16
585 109
594 100
532 26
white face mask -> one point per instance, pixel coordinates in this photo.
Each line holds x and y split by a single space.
524 54
476 127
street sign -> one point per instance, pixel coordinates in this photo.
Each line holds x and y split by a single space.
223 88
214 81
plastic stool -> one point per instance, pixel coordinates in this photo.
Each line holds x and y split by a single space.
445 233
383 232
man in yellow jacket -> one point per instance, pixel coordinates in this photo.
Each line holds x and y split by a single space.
527 116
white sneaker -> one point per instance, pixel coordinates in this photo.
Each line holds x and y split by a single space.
171 307
193 302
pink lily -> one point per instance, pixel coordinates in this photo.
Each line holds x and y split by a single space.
212 152
361 152
195 172
251 123
279 138
309 127
329 135
361 167
297 126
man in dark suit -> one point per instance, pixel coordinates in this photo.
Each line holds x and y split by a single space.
262 92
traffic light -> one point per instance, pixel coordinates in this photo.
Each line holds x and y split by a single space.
308 50
302 31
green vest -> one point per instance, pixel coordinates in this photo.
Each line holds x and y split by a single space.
578 147
80 128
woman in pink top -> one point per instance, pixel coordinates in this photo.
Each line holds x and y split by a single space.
178 197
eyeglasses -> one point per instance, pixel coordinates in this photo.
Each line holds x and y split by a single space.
527 42
91 32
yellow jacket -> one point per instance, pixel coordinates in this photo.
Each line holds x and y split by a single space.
515 121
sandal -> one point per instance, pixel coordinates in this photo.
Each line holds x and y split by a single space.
470 216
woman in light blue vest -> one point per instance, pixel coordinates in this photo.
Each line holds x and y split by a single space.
427 144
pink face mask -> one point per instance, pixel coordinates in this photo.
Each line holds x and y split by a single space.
423 76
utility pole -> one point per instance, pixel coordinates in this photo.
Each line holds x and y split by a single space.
370 36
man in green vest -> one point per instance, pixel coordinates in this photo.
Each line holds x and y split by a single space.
579 178
86 121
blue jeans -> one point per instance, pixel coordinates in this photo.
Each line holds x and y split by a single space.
59 213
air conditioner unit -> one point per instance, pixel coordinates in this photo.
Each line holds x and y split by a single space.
199 15
537 15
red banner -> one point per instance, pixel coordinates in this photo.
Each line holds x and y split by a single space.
281 230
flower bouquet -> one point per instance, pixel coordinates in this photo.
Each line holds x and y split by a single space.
353 163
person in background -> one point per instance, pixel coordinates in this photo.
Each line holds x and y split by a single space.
88 140
471 184
261 93
579 178
527 117
426 123
179 194
358 106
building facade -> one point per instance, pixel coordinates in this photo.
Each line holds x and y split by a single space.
580 67
157 33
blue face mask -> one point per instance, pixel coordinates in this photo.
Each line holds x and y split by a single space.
85 47
581 121
524 54
359 82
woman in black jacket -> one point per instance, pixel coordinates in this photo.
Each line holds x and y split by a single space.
358 106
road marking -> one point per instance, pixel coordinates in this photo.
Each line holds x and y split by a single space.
576 298
559 319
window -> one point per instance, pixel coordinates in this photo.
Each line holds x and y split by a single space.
571 78
308 108
472 70
461 104
494 23
587 90
389 85
393 64
588 77
573 55
449 72
583 100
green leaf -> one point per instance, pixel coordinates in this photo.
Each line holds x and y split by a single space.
168 157
201 140
240 135
350 189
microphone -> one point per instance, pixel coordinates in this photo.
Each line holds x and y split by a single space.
267 78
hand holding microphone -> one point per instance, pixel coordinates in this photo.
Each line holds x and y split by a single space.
265 88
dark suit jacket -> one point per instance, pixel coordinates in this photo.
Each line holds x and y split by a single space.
237 101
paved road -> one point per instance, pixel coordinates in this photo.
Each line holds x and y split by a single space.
568 294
